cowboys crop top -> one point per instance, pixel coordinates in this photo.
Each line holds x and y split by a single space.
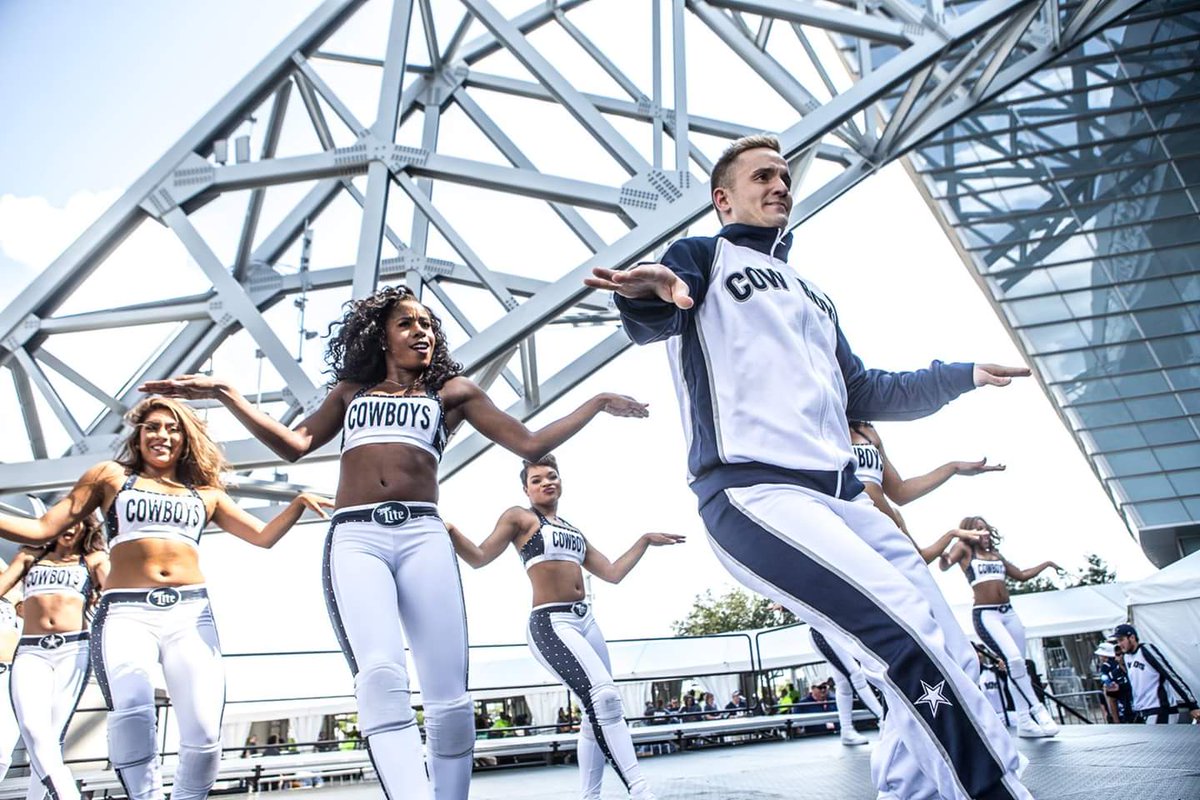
43 579
554 541
868 463
416 420
982 570
143 514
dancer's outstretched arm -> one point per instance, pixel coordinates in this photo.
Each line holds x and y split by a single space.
231 517
85 497
596 563
935 550
959 554
290 444
464 400
484 553
16 570
1027 574
902 490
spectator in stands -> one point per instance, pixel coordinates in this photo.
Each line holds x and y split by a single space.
787 698
563 721
483 722
768 703
521 721
1157 689
710 707
674 710
691 710
272 748
1118 697
250 748
816 701
736 707
499 726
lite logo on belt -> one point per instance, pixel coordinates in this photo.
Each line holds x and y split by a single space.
580 609
391 514
163 597
52 641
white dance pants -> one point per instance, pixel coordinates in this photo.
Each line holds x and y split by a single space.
172 626
846 569
1001 630
391 575
566 640
850 680
48 676
10 734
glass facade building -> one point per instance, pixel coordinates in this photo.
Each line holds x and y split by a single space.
1074 198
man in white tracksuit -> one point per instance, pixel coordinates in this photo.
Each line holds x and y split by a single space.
766 381
1158 691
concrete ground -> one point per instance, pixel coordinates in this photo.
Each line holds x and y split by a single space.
1084 762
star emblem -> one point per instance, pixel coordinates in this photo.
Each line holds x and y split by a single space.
933 697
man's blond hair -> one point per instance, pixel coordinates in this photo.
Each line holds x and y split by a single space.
721 170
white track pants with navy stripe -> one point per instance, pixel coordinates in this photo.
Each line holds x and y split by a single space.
385 585
45 687
566 640
831 562
1001 630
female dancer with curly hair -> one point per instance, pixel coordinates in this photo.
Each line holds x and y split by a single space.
157 496
563 635
996 622
390 571
51 667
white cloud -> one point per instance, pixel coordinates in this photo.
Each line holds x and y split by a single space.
33 231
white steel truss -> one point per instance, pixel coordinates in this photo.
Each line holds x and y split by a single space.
633 96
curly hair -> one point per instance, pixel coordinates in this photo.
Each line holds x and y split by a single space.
355 352
200 460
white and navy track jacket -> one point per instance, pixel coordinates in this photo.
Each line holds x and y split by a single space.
764 375
1155 685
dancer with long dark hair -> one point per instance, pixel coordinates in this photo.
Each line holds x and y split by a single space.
563 635
995 620
157 496
61 581
390 571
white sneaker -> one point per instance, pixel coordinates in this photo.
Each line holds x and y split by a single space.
1043 719
1027 728
853 738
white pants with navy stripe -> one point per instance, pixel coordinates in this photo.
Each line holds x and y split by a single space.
846 569
385 586
849 678
128 639
48 676
566 640
1001 630
10 734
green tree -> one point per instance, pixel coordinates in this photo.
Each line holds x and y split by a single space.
1095 572
736 610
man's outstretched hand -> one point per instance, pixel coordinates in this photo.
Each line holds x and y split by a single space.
996 375
643 282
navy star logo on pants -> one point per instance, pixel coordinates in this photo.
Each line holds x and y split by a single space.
933 697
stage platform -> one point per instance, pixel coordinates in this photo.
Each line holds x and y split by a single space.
1081 763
